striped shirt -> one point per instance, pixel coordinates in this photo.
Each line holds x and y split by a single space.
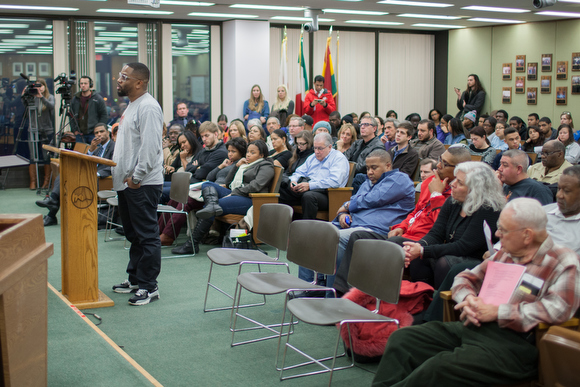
556 271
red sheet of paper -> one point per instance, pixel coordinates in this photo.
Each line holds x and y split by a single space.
501 279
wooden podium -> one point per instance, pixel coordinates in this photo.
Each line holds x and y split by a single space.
23 300
78 206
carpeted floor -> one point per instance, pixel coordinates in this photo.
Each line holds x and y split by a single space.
173 339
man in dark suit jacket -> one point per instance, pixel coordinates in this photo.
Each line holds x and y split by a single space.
101 146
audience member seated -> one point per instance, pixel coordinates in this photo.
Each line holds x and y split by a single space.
322 127
189 148
491 344
404 157
564 215
489 126
171 147
182 115
362 147
237 130
390 131
210 156
513 141
444 128
101 146
427 168
251 174
434 191
280 155
303 149
435 116
308 122
295 126
455 135
545 125
346 137
335 123
469 121
497 141
272 124
480 145
256 133
517 123
552 165
385 198
236 150
535 140
426 144
566 137
326 168
516 183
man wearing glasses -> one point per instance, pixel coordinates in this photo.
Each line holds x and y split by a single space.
326 168
295 126
363 147
138 180
434 191
552 165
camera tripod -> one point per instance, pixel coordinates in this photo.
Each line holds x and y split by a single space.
30 116
67 118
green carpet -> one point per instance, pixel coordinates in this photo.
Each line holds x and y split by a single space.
173 339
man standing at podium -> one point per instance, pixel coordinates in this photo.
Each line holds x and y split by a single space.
138 180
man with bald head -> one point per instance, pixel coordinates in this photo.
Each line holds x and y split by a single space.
553 163
492 342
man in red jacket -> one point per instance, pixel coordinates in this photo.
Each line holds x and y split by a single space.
434 191
319 102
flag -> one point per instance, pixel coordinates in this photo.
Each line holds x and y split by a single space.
302 80
283 76
328 71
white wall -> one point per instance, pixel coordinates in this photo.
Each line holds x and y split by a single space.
246 49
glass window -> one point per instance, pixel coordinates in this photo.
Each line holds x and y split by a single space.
25 48
191 82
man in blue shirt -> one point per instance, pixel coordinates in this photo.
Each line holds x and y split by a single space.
326 168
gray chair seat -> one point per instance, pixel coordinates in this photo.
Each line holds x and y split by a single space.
229 256
273 283
331 311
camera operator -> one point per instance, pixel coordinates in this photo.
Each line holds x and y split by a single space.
37 94
89 109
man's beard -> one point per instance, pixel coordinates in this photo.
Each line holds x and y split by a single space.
121 92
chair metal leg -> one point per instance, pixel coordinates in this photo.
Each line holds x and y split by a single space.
109 226
172 256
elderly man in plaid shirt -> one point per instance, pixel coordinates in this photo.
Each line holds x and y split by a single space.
493 344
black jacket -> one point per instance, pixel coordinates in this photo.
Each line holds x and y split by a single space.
257 178
207 160
97 111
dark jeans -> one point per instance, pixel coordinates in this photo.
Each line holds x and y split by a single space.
138 211
340 282
311 201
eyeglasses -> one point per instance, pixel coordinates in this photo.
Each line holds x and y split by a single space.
294 126
365 124
124 77
545 154
445 163
301 143
503 231
319 148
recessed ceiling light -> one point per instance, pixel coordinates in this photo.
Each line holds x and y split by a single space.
15 25
415 3
488 20
223 15
38 37
421 16
39 32
374 22
190 3
427 25
556 13
354 12
37 8
297 18
107 33
138 11
495 9
267 7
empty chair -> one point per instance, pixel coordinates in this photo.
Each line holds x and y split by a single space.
312 244
273 230
376 269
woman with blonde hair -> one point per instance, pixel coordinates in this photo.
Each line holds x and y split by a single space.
237 130
283 101
256 106
346 137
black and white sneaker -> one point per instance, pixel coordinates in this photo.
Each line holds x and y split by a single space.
125 287
143 296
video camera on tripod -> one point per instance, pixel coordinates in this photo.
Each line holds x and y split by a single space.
65 85
31 89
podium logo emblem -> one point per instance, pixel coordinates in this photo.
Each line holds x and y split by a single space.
82 197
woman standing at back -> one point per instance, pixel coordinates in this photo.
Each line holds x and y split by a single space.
256 106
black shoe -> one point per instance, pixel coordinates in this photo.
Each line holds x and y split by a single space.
186 248
144 296
49 221
120 231
49 203
125 287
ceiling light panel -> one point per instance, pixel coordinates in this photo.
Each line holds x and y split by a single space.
444 26
374 22
488 20
495 9
415 3
354 12
303 19
423 16
223 15
267 7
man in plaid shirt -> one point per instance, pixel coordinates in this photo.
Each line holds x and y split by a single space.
492 344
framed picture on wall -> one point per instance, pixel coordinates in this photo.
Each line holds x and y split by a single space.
17 68
520 85
561 95
520 63
30 69
506 71
533 71
546 84
44 69
532 95
506 95
547 62
562 69
576 61
576 84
